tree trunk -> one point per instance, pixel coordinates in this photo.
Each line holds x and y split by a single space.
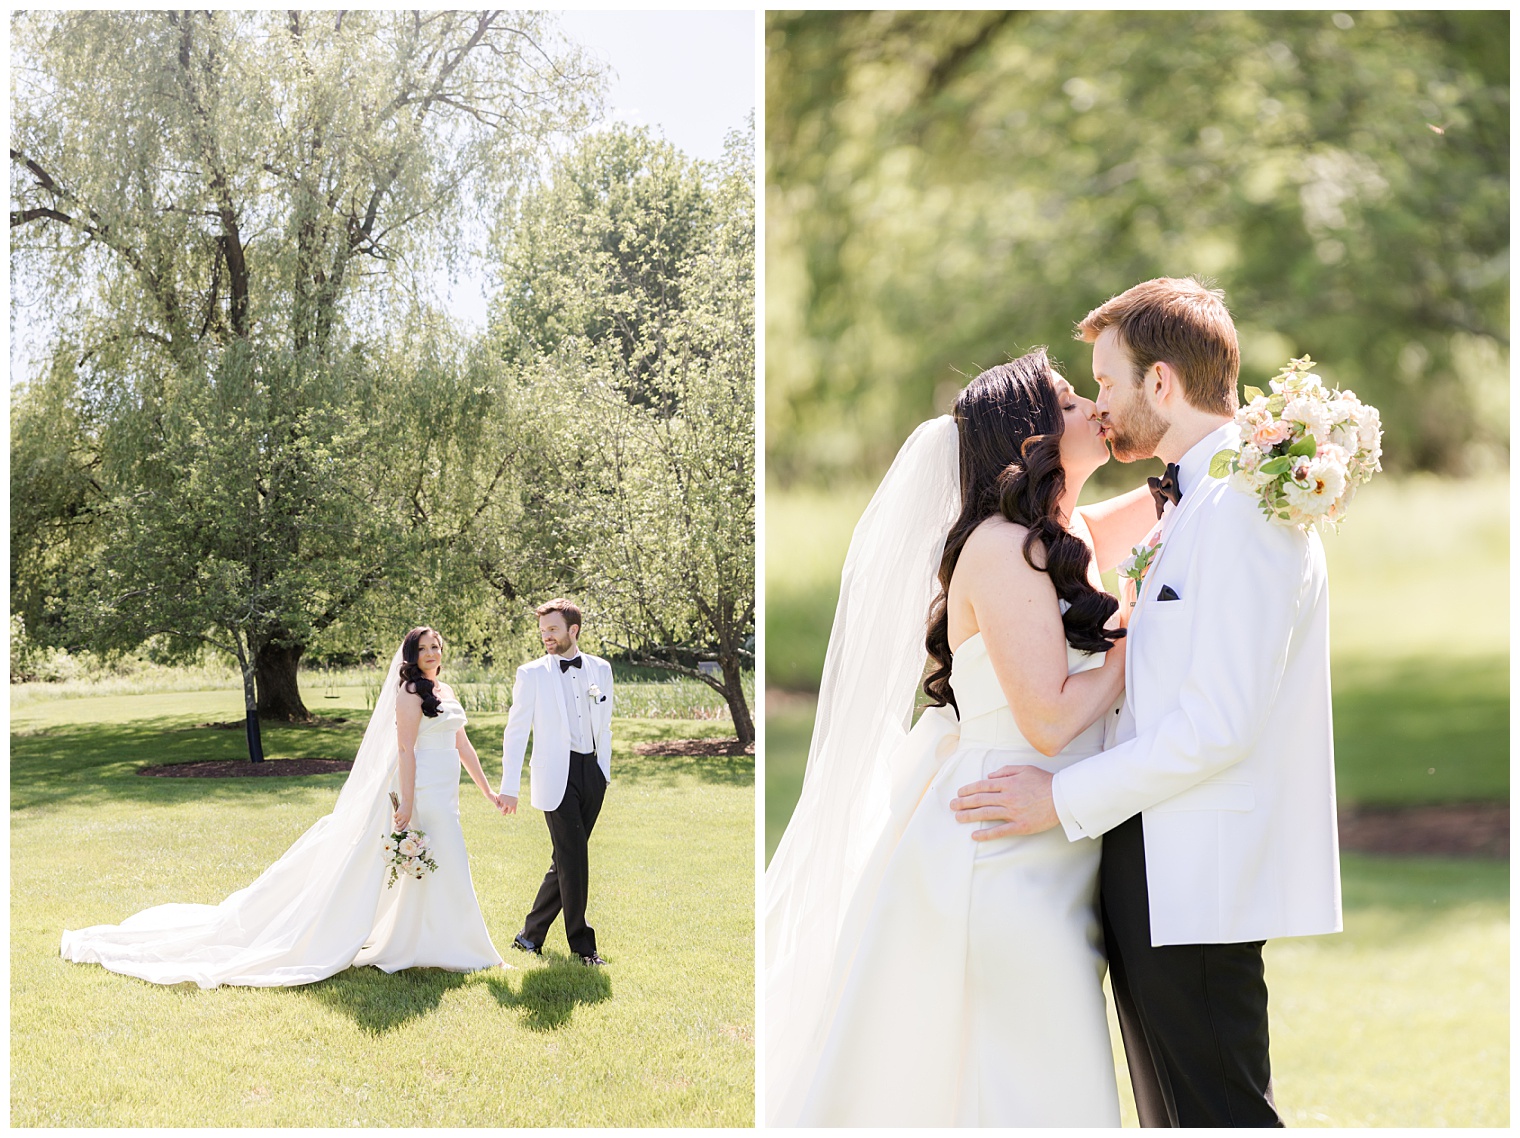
250 703
277 666
738 707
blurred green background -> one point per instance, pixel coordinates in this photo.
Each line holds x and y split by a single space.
945 190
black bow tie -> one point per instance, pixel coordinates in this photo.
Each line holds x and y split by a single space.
1165 489
566 665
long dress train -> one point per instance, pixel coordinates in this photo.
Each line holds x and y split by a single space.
324 903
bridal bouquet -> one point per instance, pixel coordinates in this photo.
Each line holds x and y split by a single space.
407 853
1303 450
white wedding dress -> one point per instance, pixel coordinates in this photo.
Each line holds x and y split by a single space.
975 995
324 905
913 976
434 922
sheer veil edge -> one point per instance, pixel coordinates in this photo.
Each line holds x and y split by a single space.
304 918
861 759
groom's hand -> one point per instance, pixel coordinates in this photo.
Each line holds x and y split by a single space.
1019 797
507 803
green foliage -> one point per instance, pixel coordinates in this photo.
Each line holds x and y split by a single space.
630 278
664 1036
216 206
947 189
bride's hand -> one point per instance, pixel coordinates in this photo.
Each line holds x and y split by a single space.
402 817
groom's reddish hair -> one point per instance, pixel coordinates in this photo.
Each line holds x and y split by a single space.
568 609
1181 322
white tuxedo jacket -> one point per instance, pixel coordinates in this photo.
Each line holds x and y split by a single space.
1232 766
538 705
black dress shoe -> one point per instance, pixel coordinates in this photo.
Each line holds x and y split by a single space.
592 960
523 944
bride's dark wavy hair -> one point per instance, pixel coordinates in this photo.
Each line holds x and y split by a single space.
412 679
1010 453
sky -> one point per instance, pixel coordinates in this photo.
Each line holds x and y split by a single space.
689 76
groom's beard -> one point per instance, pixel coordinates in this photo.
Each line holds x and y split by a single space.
1137 436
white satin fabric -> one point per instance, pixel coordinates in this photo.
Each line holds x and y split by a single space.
310 913
434 922
968 986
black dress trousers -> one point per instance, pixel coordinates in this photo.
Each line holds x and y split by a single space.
567 883
1193 1016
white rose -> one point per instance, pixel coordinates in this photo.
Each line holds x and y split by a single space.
1369 429
1309 411
594 692
408 847
1245 482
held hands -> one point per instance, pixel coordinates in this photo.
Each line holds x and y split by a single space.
1019 797
506 803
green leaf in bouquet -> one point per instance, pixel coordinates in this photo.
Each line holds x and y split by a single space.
1276 404
1222 465
1253 393
1305 446
1279 465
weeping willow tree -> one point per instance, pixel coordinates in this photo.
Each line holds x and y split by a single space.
218 219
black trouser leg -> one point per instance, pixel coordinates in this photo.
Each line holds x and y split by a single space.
1193 1016
566 886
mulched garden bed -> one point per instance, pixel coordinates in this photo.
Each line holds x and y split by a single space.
1462 829
240 724
694 748
241 768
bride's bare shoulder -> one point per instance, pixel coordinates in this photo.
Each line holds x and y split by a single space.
995 549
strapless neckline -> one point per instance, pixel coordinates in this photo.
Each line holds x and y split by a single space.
977 635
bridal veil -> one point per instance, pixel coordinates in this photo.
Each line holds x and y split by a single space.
864 770
305 917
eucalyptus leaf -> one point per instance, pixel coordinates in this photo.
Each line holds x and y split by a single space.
1222 465
1253 394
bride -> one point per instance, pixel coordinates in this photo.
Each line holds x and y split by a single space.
324 905
917 976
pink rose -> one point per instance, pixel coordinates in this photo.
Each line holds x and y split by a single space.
1270 435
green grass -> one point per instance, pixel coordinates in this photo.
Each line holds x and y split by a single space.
663 1036
1401 1020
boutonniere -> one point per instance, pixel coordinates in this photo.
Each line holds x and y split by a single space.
595 693
1138 563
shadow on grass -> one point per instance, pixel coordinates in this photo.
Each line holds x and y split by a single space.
381 1002
1421 730
548 996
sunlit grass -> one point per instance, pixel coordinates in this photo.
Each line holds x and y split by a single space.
663 1036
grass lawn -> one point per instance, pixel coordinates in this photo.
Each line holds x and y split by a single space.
663 1036
1403 1019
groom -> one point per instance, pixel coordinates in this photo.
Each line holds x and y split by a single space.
1216 804
565 699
